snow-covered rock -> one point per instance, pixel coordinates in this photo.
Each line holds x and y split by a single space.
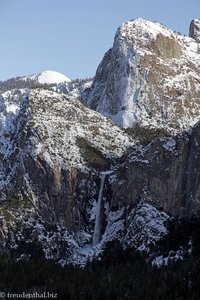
195 30
48 77
52 150
150 76
71 180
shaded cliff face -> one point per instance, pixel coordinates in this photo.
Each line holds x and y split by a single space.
150 76
195 30
164 174
52 150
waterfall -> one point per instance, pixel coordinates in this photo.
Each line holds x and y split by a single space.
97 227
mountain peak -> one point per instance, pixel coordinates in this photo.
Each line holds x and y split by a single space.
49 77
143 79
142 28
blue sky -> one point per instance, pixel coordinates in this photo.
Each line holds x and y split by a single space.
71 36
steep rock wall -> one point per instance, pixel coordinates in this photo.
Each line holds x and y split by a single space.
150 76
165 174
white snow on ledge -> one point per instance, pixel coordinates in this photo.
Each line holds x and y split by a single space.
147 29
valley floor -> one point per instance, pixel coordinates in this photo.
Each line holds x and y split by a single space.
118 275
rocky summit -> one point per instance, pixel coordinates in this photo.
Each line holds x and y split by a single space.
149 77
112 159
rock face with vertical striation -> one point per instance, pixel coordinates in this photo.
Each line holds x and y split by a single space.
164 174
149 77
52 150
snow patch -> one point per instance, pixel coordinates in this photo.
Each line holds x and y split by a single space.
48 77
145 226
164 261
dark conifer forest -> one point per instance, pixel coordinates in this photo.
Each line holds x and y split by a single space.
119 274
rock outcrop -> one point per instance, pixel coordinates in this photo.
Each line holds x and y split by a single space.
164 174
149 77
52 150
195 30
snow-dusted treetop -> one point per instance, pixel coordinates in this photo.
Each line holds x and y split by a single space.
49 77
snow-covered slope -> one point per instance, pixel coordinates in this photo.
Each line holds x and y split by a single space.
150 76
72 180
48 77
52 150
62 126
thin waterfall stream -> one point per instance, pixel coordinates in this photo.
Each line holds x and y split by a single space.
97 227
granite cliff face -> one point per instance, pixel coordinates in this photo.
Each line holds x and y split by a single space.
165 174
52 150
71 180
149 77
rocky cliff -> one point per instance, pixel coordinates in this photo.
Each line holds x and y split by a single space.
165 174
149 77
72 180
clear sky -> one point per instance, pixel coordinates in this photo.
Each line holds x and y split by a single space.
71 36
